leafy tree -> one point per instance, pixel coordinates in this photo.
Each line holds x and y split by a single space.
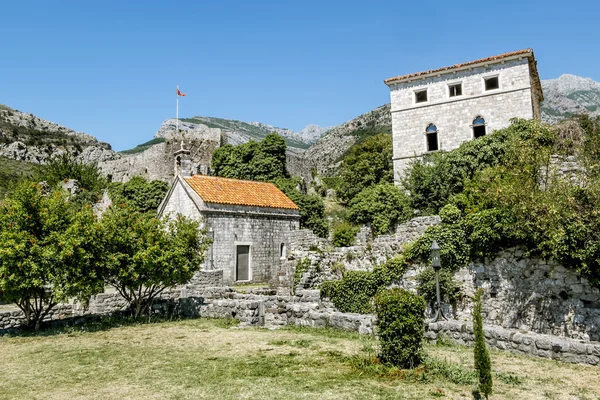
383 206
258 161
65 166
312 209
483 364
142 195
366 164
50 251
344 235
146 255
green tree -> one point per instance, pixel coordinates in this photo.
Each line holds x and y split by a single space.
383 206
146 255
483 364
366 164
258 161
312 209
64 167
50 251
142 195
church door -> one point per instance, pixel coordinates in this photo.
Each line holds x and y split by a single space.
242 270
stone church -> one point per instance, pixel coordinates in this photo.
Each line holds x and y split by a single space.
250 222
441 108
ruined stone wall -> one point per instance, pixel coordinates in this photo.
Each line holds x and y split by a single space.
532 294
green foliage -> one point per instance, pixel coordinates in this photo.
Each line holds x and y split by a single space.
400 322
353 293
366 164
434 179
146 255
143 196
88 176
301 268
144 146
14 171
383 206
50 251
449 288
266 161
312 209
258 161
344 235
483 364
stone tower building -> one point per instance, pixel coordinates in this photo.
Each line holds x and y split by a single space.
440 109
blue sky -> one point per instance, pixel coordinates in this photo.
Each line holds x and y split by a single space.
109 68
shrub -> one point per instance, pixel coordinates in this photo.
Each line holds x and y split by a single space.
383 206
449 288
344 235
400 321
482 358
353 293
366 164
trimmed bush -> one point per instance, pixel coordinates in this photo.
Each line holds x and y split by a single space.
353 293
400 321
344 235
483 364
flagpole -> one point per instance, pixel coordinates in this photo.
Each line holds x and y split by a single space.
177 112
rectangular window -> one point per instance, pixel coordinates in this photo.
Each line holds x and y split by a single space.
421 96
455 90
492 83
432 141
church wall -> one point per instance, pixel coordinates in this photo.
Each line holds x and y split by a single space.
263 232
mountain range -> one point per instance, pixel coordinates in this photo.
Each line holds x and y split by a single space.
25 138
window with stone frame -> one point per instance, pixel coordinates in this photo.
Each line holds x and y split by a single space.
455 89
491 83
421 96
479 129
432 137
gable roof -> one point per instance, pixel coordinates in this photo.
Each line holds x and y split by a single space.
214 189
500 57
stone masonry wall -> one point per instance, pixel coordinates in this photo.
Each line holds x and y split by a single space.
453 116
307 309
263 233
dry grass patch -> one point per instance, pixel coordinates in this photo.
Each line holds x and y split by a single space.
209 359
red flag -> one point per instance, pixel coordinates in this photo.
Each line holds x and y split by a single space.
179 93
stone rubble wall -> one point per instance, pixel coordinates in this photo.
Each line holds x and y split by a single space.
327 262
517 341
266 309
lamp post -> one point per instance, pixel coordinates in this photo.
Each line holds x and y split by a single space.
211 236
436 264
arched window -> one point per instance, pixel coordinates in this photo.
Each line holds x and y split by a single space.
478 127
432 137
282 251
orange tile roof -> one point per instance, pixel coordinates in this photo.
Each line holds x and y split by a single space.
466 64
214 189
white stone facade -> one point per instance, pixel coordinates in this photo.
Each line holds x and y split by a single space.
518 96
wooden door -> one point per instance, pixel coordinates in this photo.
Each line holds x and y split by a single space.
242 270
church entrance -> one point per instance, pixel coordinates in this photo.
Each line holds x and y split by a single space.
242 270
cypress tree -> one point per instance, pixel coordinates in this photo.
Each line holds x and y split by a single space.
483 364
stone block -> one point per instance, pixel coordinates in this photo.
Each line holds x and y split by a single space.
543 343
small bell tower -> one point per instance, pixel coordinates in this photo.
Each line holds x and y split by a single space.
183 164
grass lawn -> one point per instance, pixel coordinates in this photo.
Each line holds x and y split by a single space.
210 359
